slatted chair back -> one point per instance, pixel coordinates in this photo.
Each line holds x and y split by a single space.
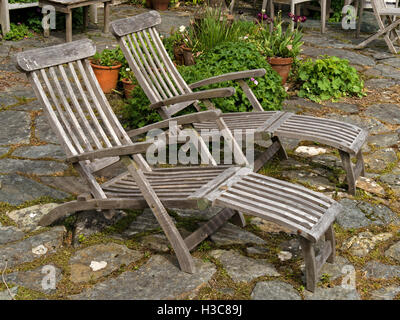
76 107
153 68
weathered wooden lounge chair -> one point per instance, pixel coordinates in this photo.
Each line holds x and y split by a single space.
383 14
169 93
92 138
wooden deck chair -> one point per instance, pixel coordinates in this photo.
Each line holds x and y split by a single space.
383 14
92 137
169 93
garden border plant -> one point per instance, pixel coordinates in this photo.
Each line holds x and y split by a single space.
328 77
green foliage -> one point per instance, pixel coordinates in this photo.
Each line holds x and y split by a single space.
278 43
21 1
327 78
18 32
136 112
336 6
109 57
214 29
127 73
233 57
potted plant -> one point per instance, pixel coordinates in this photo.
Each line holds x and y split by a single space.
106 66
280 47
128 80
183 46
161 5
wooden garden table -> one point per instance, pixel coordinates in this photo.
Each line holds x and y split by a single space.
66 7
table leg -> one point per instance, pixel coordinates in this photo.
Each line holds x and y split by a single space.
4 17
68 26
106 16
85 17
93 13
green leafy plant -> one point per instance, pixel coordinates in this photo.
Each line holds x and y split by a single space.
109 57
237 56
127 73
136 113
278 43
17 32
327 78
215 29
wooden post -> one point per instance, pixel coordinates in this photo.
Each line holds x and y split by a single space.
93 13
106 16
85 17
4 17
68 26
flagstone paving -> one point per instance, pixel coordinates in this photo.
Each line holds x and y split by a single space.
128 257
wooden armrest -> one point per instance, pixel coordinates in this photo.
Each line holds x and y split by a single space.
135 148
209 115
228 77
193 96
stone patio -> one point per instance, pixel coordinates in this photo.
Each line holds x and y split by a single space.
128 257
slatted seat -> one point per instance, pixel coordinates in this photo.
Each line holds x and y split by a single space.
93 139
169 93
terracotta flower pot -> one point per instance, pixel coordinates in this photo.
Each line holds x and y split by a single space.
282 66
107 76
188 56
178 55
161 5
128 87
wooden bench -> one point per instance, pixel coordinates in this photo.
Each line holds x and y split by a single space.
66 6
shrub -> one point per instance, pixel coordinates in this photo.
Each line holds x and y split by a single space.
329 77
232 57
17 32
136 112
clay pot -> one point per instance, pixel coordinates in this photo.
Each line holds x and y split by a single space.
188 56
107 76
160 5
282 66
128 87
178 55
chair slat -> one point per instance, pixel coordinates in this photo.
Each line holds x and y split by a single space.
55 124
87 103
148 68
158 62
70 114
142 68
169 65
78 108
151 59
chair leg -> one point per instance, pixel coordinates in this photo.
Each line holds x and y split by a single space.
238 219
275 148
360 162
348 167
174 237
281 151
330 236
308 249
